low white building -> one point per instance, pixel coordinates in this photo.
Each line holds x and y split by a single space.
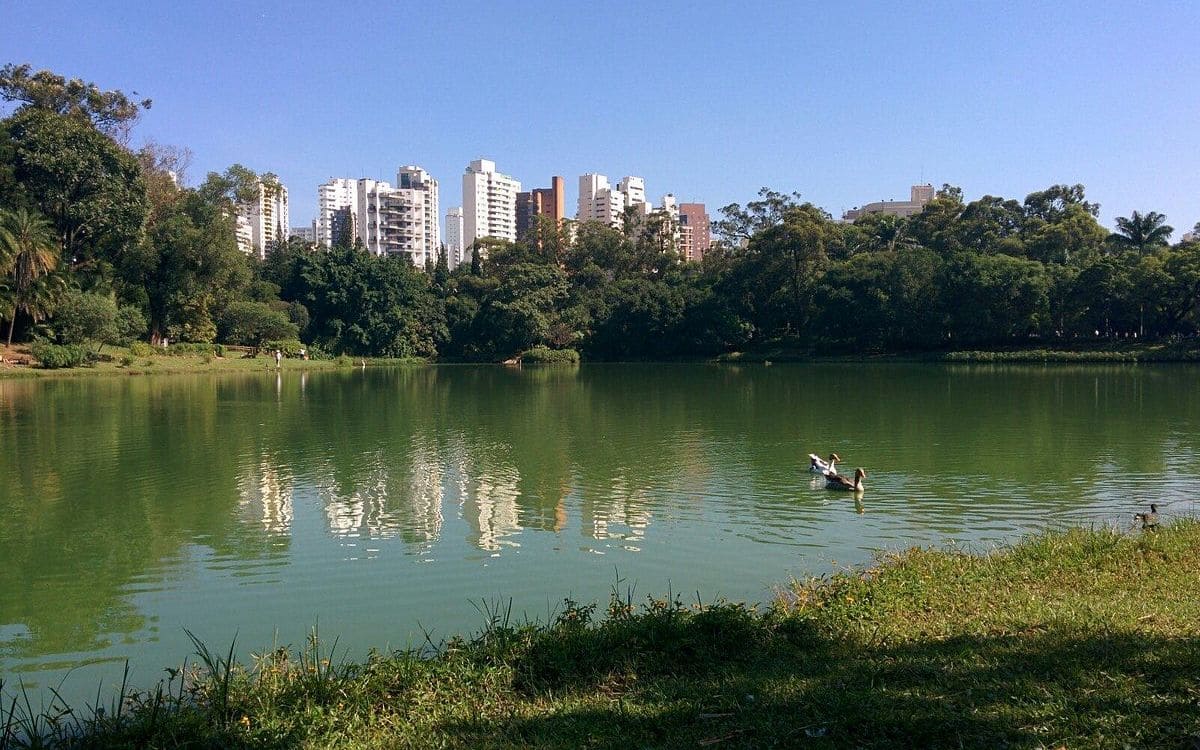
919 195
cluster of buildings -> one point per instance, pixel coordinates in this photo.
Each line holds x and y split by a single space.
404 217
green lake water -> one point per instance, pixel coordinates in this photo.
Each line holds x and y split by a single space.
387 504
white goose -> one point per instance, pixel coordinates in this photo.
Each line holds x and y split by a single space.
818 466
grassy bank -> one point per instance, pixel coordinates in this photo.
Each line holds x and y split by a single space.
1084 638
118 361
1104 352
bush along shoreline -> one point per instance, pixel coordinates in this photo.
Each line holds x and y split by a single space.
1075 638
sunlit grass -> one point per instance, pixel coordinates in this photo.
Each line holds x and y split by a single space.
1081 638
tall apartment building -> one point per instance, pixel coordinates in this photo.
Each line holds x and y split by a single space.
343 225
634 190
338 193
489 203
599 201
424 191
267 217
243 234
919 195
454 237
695 231
397 220
549 202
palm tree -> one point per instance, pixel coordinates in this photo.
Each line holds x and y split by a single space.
28 252
1142 233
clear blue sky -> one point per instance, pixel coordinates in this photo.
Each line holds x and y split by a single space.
846 103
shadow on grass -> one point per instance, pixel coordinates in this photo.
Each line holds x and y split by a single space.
724 680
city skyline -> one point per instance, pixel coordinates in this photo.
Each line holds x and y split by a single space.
845 106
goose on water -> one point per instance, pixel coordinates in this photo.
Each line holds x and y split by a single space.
818 466
839 482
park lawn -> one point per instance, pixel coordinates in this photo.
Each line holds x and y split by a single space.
160 364
1073 638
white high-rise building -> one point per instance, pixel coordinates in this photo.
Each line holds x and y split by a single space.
392 221
634 190
599 201
243 234
425 192
267 217
339 192
489 203
454 237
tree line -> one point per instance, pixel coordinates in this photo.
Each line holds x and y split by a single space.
101 243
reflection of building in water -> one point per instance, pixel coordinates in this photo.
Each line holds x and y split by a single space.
624 506
490 509
381 503
265 498
424 494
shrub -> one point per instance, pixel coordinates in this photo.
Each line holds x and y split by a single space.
127 360
82 317
130 325
289 347
344 361
57 356
141 349
542 355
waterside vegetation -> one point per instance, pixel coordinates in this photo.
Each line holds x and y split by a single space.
1076 638
101 244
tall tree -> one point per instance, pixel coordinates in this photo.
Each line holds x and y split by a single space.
737 224
1142 232
111 112
88 187
27 250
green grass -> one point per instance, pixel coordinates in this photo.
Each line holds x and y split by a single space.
1115 351
122 362
1080 638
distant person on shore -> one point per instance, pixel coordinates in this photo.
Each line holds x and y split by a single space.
278 359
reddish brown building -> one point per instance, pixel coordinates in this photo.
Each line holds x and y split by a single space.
540 202
695 240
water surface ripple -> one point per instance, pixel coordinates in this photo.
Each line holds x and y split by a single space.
384 504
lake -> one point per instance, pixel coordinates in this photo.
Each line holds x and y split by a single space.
392 505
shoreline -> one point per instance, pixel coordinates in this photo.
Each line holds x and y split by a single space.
173 364
1075 637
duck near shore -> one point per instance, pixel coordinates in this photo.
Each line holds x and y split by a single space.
1149 520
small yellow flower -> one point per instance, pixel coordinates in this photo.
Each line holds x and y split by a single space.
245 722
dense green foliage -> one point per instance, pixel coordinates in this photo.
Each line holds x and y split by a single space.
1081 638
992 273
542 355
57 356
